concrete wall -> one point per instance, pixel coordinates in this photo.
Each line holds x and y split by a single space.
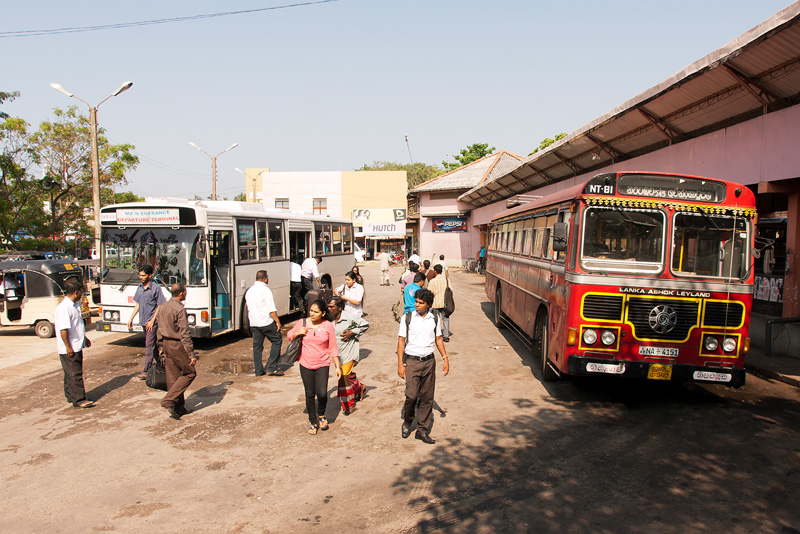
373 190
301 188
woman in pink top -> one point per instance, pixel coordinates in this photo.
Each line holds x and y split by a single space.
319 348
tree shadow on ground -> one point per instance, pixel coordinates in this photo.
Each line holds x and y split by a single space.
688 459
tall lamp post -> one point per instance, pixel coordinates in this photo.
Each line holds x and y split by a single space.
213 166
95 155
259 173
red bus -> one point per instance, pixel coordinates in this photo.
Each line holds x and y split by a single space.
634 274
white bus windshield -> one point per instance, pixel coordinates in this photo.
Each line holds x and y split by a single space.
177 255
709 245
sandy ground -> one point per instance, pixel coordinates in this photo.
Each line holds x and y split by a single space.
511 455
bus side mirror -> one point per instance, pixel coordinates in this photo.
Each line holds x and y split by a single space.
560 236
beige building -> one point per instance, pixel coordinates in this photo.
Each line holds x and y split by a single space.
374 200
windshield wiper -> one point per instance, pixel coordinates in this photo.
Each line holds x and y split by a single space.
630 219
709 219
128 281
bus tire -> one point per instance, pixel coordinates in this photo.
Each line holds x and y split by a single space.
540 347
245 330
498 308
44 329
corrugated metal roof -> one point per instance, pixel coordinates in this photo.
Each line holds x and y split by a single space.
487 168
756 73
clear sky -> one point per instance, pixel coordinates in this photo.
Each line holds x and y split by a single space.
332 86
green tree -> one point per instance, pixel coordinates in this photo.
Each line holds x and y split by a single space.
241 197
468 155
546 142
415 174
21 195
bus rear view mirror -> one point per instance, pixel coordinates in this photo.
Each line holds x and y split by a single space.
560 236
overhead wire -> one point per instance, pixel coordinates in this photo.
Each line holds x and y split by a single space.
121 25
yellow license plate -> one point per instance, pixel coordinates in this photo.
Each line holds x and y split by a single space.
658 371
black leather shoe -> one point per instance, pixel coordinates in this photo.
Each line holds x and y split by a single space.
183 411
173 412
424 438
406 430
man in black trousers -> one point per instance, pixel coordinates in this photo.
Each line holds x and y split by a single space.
418 334
71 340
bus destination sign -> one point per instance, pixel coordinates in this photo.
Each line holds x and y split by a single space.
148 216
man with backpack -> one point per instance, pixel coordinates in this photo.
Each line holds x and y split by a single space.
419 333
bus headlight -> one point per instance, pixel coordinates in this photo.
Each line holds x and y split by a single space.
107 315
589 336
729 344
190 318
710 343
608 337
115 316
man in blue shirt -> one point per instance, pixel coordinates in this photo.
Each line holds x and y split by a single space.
148 298
411 290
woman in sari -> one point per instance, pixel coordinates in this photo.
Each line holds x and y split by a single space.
348 329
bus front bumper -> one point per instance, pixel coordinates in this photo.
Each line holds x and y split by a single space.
591 366
105 326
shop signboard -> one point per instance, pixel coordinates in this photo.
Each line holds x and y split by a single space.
450 224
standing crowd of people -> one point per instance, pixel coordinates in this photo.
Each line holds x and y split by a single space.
329 336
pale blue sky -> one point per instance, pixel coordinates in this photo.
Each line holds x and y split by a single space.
336 85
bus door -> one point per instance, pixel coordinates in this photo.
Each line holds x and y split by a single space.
299 246
221 282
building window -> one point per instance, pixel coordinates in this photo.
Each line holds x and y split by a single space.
281 203
320 206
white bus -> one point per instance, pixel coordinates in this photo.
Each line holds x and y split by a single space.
215 248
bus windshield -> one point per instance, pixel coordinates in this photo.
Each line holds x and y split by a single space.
623 239
709 245
177 255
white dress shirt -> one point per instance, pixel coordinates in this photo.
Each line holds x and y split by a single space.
68 317
260 304
295 272
422 339
355 293
309 268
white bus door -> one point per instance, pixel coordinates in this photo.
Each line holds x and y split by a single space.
221 283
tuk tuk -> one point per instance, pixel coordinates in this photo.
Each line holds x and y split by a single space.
31 290
91 283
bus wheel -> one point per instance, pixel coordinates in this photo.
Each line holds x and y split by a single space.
44 329
245 330
540 346
498 308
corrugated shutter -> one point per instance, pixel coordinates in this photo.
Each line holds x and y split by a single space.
219 222
300 226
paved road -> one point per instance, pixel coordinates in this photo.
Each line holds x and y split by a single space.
512 454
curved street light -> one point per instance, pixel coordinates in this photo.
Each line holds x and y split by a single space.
213 166
95 156
259 173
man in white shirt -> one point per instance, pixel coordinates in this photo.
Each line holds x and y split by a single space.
296 286
264 323
416 363
444 265
385 264
309 272
70 341
415 258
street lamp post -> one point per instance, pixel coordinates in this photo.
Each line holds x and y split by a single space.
237 169
95 154
213 166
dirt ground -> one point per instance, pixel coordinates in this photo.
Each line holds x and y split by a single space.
512 454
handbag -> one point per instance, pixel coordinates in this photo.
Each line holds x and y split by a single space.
157 374
293 350
449 302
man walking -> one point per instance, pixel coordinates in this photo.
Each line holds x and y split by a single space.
175 342
349 329
438 286
70 342
418 334
384 261
309 272
296 286
410 291
264 323
148 298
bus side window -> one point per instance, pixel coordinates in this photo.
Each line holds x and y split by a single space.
276 239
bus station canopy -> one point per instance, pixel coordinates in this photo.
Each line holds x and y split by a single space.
755 74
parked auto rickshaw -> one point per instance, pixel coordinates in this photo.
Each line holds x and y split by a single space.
31 290
91 283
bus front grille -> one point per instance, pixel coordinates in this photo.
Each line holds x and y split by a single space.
662 319
603 307
723 314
